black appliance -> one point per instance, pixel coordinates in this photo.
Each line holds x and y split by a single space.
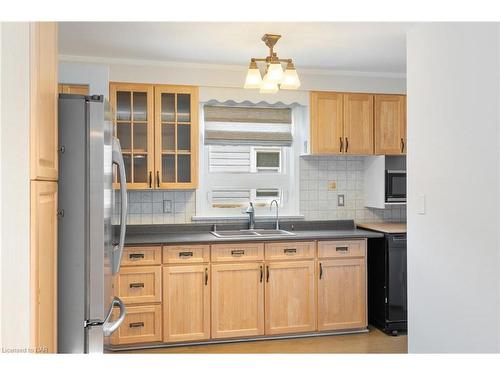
387 278
395 186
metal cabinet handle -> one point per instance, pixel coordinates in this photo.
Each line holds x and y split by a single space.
290 251
402 145
206 276
150 179
136 256
267 274
261 273
341 144
136 285
158 179
185 254
136 325
320 271
342 248
236 253
346 144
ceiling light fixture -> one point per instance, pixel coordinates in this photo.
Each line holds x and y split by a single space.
274 76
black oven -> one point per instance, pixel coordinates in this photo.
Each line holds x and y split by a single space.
395 186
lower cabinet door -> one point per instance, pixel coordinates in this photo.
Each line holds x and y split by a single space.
290 298
142 324
186 303
342 294
237 300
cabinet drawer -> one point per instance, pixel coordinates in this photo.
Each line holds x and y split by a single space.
141 256
237 251
341 249
139 284
142 324
290 250
186 254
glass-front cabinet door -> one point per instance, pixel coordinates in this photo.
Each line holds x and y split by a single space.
132 105
176 140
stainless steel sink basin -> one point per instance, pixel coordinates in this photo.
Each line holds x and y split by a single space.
245 233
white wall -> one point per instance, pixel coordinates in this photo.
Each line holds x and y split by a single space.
453 159
15 192
94 75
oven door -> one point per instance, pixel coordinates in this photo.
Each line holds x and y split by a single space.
395 186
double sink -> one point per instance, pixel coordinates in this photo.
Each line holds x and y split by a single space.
249 233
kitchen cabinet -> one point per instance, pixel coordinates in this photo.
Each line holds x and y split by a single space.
43 243
64 88
290 297
142 324
390 124
176 136
133 122
342 285
341 123
43 101
237 299
186 303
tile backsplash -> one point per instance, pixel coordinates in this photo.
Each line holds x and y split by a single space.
157 207
319 202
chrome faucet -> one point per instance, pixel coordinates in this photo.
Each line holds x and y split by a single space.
277 213
251 213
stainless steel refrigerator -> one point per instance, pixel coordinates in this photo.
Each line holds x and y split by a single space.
88 312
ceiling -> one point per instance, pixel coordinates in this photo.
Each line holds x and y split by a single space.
339 46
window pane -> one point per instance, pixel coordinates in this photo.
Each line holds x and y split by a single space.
184 137
268 159
140 106
168 137
167 107
168 168
123 106
267 193
128 172
140 168
140 137
183 108
123 134
184 168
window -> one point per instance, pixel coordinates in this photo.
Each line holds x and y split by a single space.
268 160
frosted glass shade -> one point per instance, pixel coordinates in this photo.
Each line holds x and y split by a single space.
267 86
290 80
275 72
254 79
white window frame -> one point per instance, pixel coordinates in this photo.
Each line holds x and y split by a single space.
253 159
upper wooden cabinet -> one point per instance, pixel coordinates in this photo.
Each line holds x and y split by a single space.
341 123
157 126
64 88
390 124
326 123
43 101
176 136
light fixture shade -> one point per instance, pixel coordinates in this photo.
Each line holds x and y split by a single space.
290 79
267 86
275 72
254 79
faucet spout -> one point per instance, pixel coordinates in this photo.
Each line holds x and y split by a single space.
251 216
277 212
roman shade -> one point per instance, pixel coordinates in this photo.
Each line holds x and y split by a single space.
248 125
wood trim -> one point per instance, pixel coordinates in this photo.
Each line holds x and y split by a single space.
64 88
43 265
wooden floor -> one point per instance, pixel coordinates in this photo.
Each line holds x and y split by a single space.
374 341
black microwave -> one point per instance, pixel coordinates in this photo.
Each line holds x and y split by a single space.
395 186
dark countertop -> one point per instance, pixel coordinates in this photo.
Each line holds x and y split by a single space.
200 233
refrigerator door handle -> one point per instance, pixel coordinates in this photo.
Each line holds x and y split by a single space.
109 327
118 248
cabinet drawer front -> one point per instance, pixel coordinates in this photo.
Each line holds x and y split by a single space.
186 254
139 284
341 249
237 251
142 324
290 250
141 256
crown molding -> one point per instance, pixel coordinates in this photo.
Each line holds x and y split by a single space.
228 67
